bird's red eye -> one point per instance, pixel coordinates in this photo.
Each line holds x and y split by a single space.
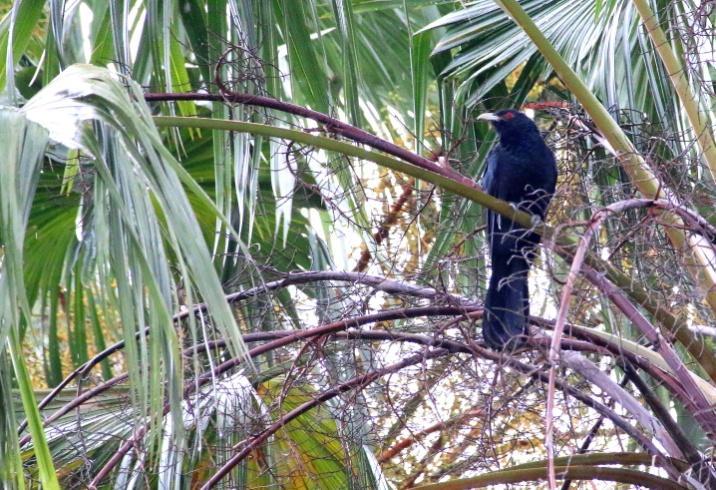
507 116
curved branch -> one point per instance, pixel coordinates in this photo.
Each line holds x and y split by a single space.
331 125
698 404
618 475
594 459
282 338
694 221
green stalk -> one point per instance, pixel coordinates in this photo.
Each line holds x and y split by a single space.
45 466
462 189
593 459
619 475
677 74
697 261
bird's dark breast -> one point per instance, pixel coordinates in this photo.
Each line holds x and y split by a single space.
527 179
532 178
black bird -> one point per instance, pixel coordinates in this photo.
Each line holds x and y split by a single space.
521 169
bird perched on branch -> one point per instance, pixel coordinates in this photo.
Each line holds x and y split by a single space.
522 170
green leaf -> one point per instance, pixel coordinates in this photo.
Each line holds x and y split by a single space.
24 144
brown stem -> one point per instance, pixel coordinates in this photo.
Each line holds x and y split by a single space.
700 406
553 356
331 124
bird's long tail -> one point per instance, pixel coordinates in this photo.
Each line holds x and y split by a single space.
507 304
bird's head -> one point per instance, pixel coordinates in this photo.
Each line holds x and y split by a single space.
509 122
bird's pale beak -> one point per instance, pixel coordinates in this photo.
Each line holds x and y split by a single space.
489 116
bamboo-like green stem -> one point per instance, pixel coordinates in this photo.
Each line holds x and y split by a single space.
463 187
619 475
677 74
593 459
697 260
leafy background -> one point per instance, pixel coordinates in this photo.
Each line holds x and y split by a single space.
115 223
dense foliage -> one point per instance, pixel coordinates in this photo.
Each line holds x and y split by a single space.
243 244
